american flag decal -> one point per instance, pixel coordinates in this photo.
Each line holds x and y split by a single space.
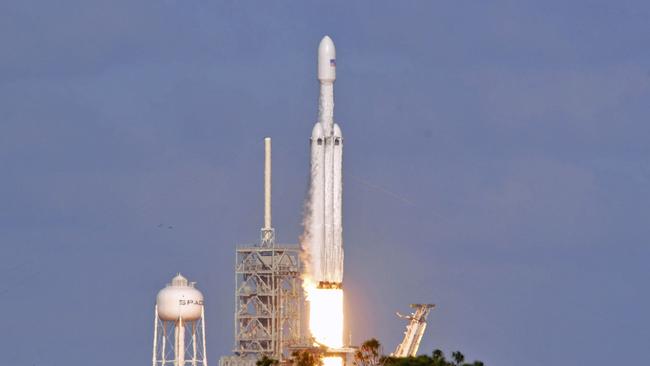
333 62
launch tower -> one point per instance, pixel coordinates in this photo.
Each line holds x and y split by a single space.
268 292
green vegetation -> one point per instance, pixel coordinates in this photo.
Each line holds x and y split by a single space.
267 361
369 354
307 358
436 359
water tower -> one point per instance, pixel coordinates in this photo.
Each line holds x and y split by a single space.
179 325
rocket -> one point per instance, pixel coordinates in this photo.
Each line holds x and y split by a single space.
326 192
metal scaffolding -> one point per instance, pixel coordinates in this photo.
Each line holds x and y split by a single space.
414 330
269 297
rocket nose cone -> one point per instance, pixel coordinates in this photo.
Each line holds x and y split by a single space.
326 60
326 47
317 131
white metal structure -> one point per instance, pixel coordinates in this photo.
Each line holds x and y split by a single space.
268 292
179 325
324 234
414 330
268 233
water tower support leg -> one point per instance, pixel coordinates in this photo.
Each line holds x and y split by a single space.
205 357
194 343
180 342
164 342
155 336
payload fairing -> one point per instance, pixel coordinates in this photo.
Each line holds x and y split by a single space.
326 193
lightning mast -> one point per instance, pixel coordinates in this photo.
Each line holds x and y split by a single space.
268 292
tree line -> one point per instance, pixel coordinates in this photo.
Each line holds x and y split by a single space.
369 354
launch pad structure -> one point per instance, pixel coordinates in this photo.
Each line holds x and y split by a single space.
268 299
269 296
268 292
414 330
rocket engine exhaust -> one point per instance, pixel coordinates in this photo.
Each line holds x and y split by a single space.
324 285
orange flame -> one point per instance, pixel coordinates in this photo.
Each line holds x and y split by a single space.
326 319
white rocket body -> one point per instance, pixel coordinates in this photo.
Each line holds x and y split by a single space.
326 193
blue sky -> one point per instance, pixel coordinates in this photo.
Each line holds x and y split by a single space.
497 163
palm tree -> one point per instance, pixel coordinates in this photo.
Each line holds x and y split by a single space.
369 354
438 355
306 358
458 358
